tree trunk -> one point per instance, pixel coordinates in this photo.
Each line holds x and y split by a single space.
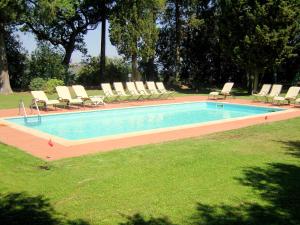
69 48
253 81
249 83
102 54
67 59
178 38
135 73
5 87
151 74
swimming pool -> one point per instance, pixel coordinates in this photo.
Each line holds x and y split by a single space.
112 122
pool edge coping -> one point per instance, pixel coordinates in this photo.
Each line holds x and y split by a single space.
69 143
41 149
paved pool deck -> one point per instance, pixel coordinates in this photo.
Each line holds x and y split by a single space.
40 147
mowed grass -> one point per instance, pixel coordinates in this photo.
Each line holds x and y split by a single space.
246 176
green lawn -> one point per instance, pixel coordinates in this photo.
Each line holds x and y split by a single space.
249 176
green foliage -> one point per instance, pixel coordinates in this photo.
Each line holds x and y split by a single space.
296 80
133 29
10 10
17 61
260 34
66 25
46 62
37 84
116 70
50 85
229 40
89 73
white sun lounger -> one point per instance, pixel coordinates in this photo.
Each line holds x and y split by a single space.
264 91
223 93
133 91
108 92
65 96
275 91
141 89
152 88
120 90
41 97
82 94
291 95
161 88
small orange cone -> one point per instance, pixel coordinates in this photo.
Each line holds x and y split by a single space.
50 143
266 117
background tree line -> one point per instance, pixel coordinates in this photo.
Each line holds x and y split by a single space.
196 42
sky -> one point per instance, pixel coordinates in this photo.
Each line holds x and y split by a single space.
92 40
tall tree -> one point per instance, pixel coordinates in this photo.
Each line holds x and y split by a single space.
9 12
103 43
67 27
17 60
178 37
134 31
106 6
260 33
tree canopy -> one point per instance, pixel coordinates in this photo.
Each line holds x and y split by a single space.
67 26
134 31
196 42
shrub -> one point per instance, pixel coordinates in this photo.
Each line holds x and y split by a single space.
46 62
296 80
116 70
51 84
37 83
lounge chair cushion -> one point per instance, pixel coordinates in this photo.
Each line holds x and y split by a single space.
75 100
52 102
214 93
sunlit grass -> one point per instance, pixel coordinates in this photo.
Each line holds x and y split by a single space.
161 180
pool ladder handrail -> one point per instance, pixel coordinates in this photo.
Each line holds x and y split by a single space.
23 109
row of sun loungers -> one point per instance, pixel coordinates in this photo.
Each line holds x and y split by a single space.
135 91
271 93
268 93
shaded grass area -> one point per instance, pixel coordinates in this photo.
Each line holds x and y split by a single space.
247 176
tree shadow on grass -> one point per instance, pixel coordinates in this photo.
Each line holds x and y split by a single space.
22 209
278 186
293 147
138 219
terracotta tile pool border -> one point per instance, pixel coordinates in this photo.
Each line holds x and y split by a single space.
38 145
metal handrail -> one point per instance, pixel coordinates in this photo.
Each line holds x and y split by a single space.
37 107
23 109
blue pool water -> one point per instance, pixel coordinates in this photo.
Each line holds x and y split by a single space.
101 123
